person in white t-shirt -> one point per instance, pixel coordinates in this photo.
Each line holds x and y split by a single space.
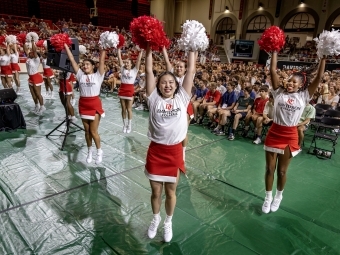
282 141
127 89
90 105
167 102
5 65
35 79
15 67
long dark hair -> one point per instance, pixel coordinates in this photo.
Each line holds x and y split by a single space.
159 78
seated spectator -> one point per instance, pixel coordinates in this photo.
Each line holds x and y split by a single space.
222 112
307 114
140 102
197 99
331 98
210 100
240 111
3 23
220 86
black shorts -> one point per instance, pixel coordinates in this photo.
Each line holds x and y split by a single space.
244 114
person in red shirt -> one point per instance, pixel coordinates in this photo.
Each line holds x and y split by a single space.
211 99
256 114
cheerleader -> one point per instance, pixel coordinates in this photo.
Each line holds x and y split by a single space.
168 102
282 141
65 94
126 89
15 67
90 105
35 79
5 64
47 76
180 72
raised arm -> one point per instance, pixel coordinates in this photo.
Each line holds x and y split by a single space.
71 58
167 61
139 60
101 68
188 82
316 81
273 74
15 48
34 49
149 77
119 53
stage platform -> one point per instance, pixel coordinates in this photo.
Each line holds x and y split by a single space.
52 202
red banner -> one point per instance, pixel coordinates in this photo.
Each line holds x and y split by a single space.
240 14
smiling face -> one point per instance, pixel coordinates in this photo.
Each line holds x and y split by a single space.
167 85
88 67
294 83
127 64
180 69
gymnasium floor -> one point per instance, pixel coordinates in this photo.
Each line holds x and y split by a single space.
52 202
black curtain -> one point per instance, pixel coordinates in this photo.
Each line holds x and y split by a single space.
33 8
134 8
89 3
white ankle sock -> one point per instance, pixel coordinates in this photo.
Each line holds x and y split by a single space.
269 194
278 194
168 219
157 216
89 149
129 122
125 122
99 150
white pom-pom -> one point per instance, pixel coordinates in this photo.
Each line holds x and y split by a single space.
32 35
28 45
193 37
45 44
328 43
11 39
109 40
82 49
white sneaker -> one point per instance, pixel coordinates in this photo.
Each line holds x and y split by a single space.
128 129
257 140
73 102
124 129
36 109
276 204
89 157
47 95
41 109
167 232
19 91
152 230
73 119
99 157
266 205
140 108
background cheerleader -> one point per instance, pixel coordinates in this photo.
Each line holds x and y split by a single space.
90 105
15 67
47 76
35 78
65 94
5 64
126 90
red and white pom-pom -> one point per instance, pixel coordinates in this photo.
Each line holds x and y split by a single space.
59 40
82 49
2 40
272 39
21 38
11 39
40 43
121 40
108 40
193 37
328 43
32 35
146 29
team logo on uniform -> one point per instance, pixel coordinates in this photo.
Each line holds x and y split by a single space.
168 107
87 79
290 101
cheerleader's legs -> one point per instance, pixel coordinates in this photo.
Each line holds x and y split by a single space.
9 81
4 82
91 131
126 110
16 80
170 196
37 91
34 97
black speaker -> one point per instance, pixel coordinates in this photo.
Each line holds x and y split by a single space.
60 60
7 95
263 57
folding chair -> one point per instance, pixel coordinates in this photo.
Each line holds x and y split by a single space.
319 113
327 123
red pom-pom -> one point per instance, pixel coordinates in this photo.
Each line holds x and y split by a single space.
21 38
2 40
146 29
272 39
40 43
58 41
121 41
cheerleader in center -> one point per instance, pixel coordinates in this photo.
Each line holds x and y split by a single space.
15 67
126 89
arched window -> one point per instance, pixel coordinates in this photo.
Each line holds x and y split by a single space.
226 26
300 22
336 23
258 24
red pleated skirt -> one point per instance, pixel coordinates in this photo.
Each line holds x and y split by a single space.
279 137
6 70
163 162
15 67
48 73
69 87
89 107
35 79
126 91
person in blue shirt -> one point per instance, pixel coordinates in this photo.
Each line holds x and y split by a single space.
219 115
197 99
